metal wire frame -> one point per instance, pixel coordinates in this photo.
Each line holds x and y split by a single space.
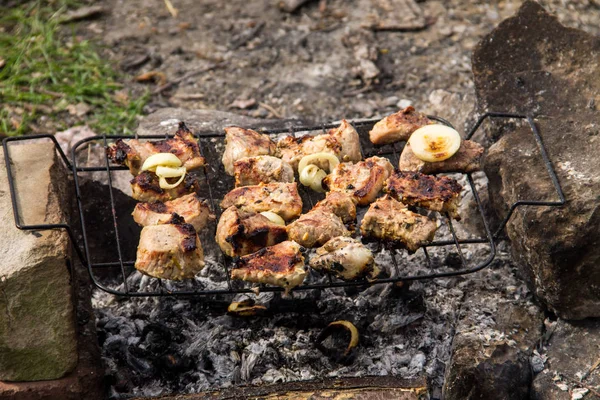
84 255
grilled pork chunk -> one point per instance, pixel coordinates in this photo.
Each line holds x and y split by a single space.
170 251
340 204
133 153
315 228
467 159
261 169
191 207
398 127
363 180
242 232
242 143
348 137
280 265
344 257
281 198
432 192
145 187
292 149
389 220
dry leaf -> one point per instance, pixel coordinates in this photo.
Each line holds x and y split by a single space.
156 76
242 104
79 109
121 97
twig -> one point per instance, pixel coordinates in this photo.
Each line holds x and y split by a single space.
596 364
270 109
584 385
172 10
188 75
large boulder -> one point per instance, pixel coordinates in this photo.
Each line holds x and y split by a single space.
532 64
37 331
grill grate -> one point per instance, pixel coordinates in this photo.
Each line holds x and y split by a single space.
113 276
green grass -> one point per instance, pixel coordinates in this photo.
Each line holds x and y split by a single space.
47 69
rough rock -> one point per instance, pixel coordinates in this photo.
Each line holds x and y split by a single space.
532 64
37 332
490 352
572 356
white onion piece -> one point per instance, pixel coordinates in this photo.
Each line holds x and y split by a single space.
317 159
312 176
162 182
164 159
170 172
273 217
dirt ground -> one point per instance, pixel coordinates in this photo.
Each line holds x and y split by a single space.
318 63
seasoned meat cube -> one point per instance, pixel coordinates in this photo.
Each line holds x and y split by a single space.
170 251
261 169
348 137
243 232
281 198
280 265
363 180
388 219
242 143
133 153
398 127
344 257
292 149
432 192
191 207
145 187
467 159
340 204
316 227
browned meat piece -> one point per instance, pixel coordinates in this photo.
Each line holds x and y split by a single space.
363 180
240 143
432 192
170 251
280 265
261 169
281 198
316 227
133 152
145 187
389 220
467 159
348 137
243 232
344 257
191 207
292 149
340 204
398 127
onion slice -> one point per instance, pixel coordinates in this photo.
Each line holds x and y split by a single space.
318 159
312 176
162 182
273 217
164 159
170 172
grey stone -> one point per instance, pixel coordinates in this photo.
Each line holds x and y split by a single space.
37 332
490 351
533 64
572 353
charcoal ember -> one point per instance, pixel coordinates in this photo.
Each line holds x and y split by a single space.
556 248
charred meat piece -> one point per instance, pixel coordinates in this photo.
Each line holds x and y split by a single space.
133 153
398 127
146 187
281 198
363 180
389 220
191 207
344 257
280 265
431 192
348 137
467 159
316 227
340 204
240 143
261 169
170 251
242 232
292 149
